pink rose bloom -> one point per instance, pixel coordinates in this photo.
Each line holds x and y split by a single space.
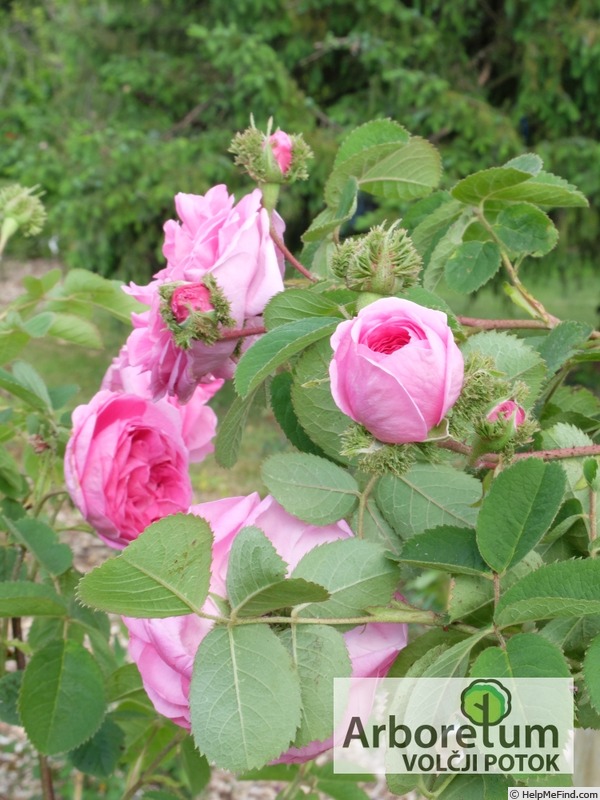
126 464
231 244
509 411
281 145
396 369
164 649
198 421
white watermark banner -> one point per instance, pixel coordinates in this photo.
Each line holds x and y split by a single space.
453 725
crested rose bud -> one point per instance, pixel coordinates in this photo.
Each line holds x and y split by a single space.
508 410
281 145
188 298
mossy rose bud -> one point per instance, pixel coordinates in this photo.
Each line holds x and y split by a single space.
508 410
188 298
396 369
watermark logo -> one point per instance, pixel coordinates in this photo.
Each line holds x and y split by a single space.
485 702
437 725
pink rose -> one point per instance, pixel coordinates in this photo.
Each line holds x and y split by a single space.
126 464
198 421
281 145
509 411
216 240
164 649
396 369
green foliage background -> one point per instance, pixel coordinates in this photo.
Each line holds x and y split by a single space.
113 106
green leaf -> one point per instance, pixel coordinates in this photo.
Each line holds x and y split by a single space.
470 594
544 189
488 183
524 229
443 249
81 284
10 686
398 170
124 682
513 357
256 582
562 343
477 787
30 379
11 383
253 565
100 754
196 767
591 672
42 541
572 634
517 511
434 224
419 647
11 480
281 403
62 700
341 790
375 528
231 429
39 325
276 347
526 655
453 662
447 548
528 162
76 330
298 304
165 572
11 344
471 265
563 435
319 655
400 785
428 496
311 488
314 406
355 573
26 599
563 589
331 219
60 395
370 134
244 697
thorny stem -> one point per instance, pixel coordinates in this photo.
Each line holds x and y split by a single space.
509 324
492 459
291 257
238 333
549 320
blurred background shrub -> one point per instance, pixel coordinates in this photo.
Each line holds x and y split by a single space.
112 106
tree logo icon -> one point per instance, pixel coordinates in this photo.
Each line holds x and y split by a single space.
485 702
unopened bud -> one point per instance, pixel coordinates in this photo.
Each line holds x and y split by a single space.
385 262
271 158
20 210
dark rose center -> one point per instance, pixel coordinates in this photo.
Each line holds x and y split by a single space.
388 340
